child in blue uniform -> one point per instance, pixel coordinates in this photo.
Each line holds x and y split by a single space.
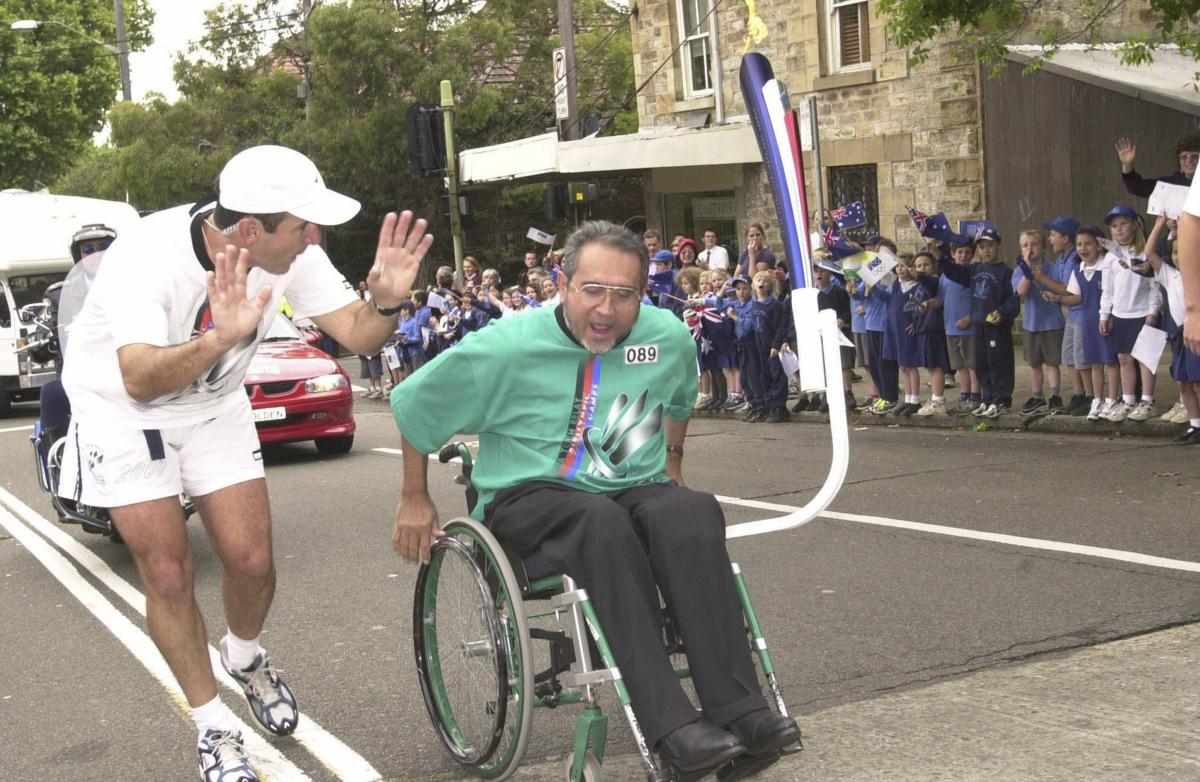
741 311
931 335
960 331
1185 365
1043 321
907 302
994 305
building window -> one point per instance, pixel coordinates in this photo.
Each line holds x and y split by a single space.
849 35
694 17
848 184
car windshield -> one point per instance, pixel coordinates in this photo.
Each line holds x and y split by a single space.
282 330
30 288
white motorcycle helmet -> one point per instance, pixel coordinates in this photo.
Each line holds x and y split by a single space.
95 232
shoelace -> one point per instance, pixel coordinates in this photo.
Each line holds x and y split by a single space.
226 742
262 680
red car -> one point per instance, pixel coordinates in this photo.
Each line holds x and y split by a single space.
298 392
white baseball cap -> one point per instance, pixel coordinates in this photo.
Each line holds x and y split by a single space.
269 179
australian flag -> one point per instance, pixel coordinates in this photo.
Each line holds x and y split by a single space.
934 227
849 216
839 248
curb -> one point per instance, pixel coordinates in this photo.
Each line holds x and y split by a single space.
1046 424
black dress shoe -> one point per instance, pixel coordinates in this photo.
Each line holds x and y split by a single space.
697 749
763 731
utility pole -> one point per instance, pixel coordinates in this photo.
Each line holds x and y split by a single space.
122 50
566 32
452 174
305 65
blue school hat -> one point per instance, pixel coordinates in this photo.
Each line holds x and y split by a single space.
990 234
1120 210
1064 224
664 256
740 278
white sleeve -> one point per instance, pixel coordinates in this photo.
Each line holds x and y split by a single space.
134 303
1156 298
1106 287
1192 204
1073 285
316 288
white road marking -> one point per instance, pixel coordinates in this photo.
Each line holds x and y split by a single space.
335 755
17 429
432 456
993 537
265 758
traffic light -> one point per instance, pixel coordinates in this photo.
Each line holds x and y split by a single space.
555 201
426 140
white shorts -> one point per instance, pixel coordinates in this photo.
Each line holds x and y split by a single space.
107 466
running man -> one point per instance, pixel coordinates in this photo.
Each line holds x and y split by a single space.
155 374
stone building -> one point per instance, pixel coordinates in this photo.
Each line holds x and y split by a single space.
891 134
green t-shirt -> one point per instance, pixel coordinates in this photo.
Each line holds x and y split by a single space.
546 409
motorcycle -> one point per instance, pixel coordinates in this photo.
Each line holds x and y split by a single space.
50 430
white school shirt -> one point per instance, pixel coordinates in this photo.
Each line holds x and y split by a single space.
1123 292
151 289
716 258
1172 282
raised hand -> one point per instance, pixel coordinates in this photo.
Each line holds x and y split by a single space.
234 316
397 258
1126 153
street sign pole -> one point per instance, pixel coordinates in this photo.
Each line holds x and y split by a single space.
452 174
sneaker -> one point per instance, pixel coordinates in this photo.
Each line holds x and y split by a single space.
223 757
932 408
867 403
1190 437
735 401
759 416
981 409
1176 415
375 394
962 407
824 406
814 403
1084 407
1072 405
851 402
1118 411
906 410
1095 410
880 407
995 411
271 702
1054 404
801 405
855 377
702 401
1142 410
1033 405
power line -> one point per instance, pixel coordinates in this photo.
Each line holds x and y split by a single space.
683 39
545 101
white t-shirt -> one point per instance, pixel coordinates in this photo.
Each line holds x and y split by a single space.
1123 292
151 290
1172 281
716 258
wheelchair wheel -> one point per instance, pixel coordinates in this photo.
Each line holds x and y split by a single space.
592 770
472 648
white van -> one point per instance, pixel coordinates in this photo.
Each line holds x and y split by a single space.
35 252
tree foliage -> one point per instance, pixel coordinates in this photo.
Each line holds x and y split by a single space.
991 25
367 61
55 84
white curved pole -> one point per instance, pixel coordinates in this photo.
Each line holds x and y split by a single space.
816 335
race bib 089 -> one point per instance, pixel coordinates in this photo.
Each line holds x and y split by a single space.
641 354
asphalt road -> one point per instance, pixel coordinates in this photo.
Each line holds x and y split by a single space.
854 610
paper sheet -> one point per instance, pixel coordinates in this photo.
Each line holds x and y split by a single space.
1149 346
1167 200
878 267
791 363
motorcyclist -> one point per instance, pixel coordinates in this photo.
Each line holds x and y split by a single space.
87 248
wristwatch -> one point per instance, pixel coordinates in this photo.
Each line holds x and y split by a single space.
675 449
387 312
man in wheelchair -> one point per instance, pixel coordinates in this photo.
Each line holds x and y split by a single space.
581 412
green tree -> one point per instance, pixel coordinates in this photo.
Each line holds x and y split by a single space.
55 84
990 25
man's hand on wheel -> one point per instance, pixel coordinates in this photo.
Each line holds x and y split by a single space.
416 526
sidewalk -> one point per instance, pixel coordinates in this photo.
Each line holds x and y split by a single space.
1166 394
1120 711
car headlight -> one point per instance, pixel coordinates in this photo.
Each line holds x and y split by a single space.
319 385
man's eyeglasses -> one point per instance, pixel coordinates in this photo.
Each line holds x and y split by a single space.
1190 157
93 247
593 294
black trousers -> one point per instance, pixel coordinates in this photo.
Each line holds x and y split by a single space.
994 363
624 547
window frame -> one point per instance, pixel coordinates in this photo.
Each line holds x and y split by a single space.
685 46
833 19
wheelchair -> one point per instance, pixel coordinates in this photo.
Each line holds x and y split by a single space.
474 651
49 440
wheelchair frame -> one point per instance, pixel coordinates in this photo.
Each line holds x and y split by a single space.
502 633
